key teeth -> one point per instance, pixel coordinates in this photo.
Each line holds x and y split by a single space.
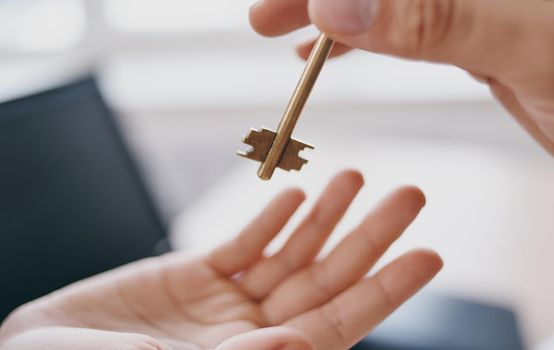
248 138
296 166
249 154
245 154
291 159
261 141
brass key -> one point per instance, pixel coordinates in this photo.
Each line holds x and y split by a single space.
279 149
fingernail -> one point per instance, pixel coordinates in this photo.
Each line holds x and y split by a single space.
347 17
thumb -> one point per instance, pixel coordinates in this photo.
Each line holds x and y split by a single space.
486 37
274 338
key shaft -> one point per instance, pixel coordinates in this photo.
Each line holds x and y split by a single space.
319 55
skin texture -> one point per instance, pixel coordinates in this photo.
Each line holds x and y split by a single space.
507 44
235 297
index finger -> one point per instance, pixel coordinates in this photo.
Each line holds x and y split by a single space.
239 253
278 17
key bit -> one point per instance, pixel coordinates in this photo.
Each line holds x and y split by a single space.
278 149
261 142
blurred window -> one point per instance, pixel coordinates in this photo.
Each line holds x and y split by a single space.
180 45
30 26
177 15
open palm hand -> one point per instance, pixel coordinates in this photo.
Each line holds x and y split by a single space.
235 297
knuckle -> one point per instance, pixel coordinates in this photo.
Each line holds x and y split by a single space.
420 26
385 294
320 282
330 314
369 239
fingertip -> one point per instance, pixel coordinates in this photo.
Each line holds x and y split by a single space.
303 51
295 194
413 196
426 262
254 19
259 21
351 176
356 176
272 18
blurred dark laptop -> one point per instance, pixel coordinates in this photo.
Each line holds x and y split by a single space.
71 201
431 321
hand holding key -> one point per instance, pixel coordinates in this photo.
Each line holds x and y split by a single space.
279 149
507 44
236 297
